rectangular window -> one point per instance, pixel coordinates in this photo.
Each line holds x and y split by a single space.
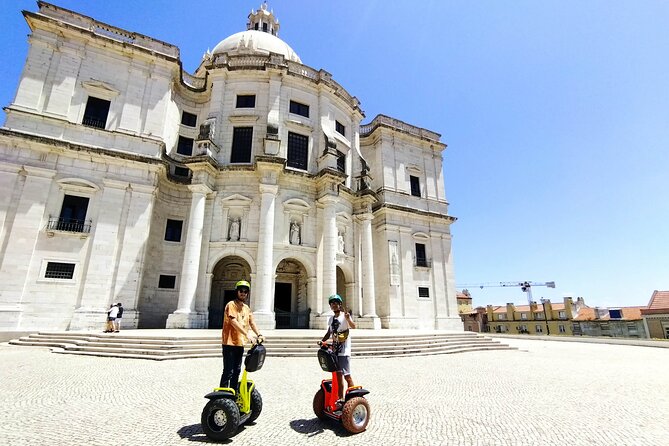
523 316
185 146
298 151
73 214
166 281
299 109
502 317
561 329
188 119
173 230
96 112
242 141
341 162
339 127
246 101
421 257
181 171
540 316
615 314
562 315
423 292
539 329
415 186
57 270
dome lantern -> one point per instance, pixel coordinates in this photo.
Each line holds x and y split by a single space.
263 20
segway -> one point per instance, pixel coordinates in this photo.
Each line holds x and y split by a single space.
354 413
229 408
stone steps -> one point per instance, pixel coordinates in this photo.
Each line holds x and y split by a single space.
378 344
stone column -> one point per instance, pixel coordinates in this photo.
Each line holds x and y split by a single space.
329 247
185 315
369 293
262 290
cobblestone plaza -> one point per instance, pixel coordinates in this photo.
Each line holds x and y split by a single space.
544 393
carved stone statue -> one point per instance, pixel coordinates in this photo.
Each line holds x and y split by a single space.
233 232
295 233
341 243
206 130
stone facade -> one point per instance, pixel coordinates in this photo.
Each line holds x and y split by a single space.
128 179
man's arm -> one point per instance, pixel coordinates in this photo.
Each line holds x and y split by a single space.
327 335
349 319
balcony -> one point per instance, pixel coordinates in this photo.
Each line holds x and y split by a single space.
422 263
69 225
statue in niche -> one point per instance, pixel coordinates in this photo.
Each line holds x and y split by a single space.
341 243
295 233
206 130
233 232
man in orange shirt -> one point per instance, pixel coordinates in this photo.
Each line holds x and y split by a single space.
237 320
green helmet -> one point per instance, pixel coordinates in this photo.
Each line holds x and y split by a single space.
243 284
335 298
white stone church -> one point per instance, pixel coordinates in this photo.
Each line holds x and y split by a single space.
126 179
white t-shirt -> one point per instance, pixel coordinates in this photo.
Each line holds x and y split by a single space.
114 311
343 326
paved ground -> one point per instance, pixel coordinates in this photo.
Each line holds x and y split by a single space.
547 393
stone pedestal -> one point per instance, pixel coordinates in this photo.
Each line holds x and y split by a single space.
367 322
264 320
186 320
89 318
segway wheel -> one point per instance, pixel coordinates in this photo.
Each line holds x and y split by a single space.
319 404
256 405
220 419
355 415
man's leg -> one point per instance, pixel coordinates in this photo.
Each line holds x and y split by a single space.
232 364
236 366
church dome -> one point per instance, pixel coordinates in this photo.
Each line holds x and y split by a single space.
251 41
260 37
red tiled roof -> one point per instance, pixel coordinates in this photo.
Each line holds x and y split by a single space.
659 300
628 313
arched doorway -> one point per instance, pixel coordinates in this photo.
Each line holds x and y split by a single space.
290 295
227 272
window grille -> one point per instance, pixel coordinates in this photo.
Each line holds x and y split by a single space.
298 151
57 270
242 142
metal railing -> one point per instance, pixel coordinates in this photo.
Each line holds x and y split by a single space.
92 121
69 225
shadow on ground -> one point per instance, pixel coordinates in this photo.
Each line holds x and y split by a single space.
194 432
315 427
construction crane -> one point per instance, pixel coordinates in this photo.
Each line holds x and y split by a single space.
525 286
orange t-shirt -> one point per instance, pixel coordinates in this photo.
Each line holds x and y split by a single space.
243 316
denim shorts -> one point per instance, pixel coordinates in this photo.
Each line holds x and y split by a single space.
344 365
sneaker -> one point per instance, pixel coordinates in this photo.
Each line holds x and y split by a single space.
116 331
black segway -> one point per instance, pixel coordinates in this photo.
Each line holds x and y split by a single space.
229 408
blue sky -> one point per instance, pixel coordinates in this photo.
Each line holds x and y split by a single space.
555 113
